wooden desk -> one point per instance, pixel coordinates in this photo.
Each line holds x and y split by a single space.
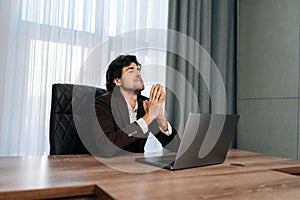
244 175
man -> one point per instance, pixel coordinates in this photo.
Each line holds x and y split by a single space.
125 116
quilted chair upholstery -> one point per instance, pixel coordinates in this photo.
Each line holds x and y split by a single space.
69 102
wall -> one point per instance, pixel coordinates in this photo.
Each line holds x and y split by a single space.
268 76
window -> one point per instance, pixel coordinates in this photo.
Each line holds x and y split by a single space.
51 39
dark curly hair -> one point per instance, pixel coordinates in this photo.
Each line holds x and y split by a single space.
115 69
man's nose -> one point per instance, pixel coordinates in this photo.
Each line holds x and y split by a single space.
138 71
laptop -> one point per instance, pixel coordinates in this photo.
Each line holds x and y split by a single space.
205 141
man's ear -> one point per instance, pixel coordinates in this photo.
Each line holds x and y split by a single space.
117 81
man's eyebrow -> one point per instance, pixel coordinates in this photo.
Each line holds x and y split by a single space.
131 67
128 68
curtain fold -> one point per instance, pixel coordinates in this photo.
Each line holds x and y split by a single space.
212 25
46 42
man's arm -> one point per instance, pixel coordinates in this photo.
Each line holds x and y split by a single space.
158 124
108 138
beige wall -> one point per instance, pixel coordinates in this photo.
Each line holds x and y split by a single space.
268 76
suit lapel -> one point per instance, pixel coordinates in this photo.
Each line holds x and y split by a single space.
119 109
140 111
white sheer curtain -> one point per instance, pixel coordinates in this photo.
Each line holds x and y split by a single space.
44 42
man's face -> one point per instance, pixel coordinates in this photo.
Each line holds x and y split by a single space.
131 79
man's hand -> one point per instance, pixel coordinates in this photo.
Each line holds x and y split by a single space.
154 107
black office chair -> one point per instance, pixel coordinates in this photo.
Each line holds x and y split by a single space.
69 101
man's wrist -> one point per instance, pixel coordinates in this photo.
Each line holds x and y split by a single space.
163 123
168 130
165 127
147 119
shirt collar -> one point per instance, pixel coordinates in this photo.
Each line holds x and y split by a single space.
129 107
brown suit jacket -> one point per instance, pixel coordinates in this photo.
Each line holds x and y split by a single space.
117 134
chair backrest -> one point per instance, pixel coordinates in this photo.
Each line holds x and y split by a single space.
67 98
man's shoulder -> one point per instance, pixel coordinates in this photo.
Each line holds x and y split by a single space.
106 97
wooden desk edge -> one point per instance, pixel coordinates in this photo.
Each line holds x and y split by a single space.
56 192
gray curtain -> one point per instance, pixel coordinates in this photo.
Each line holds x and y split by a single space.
201 59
